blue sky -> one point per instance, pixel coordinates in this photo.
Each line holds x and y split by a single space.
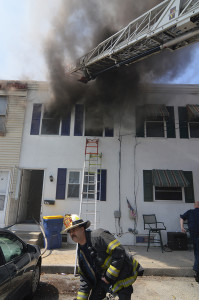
25 24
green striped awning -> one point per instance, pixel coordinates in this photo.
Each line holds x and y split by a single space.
193 111
156 110
169 178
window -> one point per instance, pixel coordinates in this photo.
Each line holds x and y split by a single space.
2 202
51 124
155 121
168 185
155 128
72 179
73 184
95 124
4 179
169 193
10 246
194 129
189 121
3 111
89 185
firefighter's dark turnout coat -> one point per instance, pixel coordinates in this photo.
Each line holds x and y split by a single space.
110 260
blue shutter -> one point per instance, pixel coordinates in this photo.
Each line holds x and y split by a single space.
79 113
109 132
101 174
170 122
183 122
61 183
36 118
65 127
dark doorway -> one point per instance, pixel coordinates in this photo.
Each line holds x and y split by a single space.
31 196
35 195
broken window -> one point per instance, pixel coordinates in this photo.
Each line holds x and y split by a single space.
98 123
50 123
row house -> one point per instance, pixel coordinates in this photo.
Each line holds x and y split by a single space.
150 160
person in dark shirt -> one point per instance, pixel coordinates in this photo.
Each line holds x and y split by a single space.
192 216
104 265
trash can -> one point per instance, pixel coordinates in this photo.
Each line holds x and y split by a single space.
52 227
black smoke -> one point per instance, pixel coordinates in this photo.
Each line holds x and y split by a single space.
78 28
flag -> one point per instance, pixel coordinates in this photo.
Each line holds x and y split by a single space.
132 211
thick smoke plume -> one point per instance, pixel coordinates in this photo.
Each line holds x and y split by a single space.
78 28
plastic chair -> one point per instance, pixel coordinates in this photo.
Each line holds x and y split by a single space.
151 224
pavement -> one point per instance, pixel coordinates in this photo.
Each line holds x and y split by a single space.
169 263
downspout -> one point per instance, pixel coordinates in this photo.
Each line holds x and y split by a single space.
120 148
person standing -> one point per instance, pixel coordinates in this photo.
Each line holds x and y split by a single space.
192 216
104 264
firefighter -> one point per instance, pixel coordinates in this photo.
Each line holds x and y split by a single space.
192 216
104 265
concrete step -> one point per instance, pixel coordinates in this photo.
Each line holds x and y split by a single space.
25 227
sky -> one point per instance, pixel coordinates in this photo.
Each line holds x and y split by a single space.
24 27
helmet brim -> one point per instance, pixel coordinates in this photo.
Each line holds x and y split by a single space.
86 224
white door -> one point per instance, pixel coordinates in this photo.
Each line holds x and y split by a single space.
4 182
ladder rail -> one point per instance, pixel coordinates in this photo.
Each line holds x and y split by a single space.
89 185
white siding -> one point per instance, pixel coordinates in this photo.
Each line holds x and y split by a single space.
10 144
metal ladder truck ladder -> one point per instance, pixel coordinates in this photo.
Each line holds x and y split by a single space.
91 186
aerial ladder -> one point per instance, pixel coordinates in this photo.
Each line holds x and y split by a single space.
171 25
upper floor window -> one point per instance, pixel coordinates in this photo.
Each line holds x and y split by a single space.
3 111
50 123
47 123
155 121
189 121
94 123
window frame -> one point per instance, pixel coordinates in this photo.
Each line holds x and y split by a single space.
68 183
11 237
43 111
5 194
189 129
61 131
87 184
3 115
155 121
103 128
169 200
